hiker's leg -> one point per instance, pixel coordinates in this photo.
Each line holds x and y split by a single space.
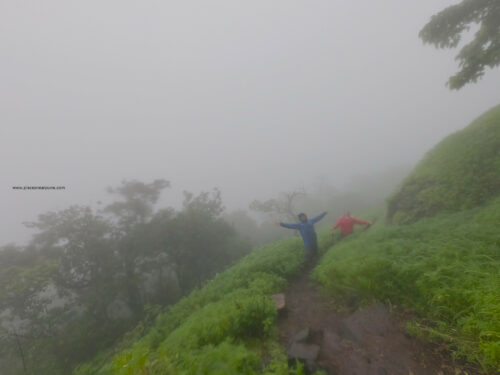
309 253
314 250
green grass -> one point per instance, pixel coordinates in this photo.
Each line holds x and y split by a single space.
446 269
461 172
226 327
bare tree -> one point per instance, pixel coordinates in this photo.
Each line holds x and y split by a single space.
284 206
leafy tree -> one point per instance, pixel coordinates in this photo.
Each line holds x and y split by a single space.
138 202
86 261
14 255
446 28
199 242
65 294
131 215
63 297
24 312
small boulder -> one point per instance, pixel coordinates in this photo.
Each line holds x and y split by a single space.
279 301
303 336
303 352
345 332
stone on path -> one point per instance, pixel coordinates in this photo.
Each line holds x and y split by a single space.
279 301
309 335
345 332
303 336
303 352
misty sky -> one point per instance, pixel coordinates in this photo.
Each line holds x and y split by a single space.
254 97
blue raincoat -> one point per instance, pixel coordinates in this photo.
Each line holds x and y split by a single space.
306 229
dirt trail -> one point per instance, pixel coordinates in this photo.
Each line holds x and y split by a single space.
369 341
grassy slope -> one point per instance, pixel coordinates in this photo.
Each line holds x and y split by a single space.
461 172
446 269
226 327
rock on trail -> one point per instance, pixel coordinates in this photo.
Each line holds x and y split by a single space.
369 341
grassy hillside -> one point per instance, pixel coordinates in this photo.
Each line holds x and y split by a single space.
446 269
226 327
461 172
444 266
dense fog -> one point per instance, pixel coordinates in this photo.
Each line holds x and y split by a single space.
153 153
254 98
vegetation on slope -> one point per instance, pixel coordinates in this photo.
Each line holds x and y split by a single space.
88 275
226 327
461 172
446 269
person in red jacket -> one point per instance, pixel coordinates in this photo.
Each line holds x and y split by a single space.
346 224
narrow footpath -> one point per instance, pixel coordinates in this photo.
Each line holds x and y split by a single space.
367 341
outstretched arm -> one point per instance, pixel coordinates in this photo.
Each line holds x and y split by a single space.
337 224
361 222
289 226
318 218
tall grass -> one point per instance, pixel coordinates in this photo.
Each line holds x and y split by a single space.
446 269
461 172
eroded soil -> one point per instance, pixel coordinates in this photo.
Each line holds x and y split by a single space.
368 341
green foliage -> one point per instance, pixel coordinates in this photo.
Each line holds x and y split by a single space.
215 329
444 268
197 241
86 277
445 29
20 287
461 172
138 201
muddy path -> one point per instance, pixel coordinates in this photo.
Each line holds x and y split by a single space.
366 341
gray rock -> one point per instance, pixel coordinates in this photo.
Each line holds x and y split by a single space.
279 301
303 336
311 367
345 332
303 352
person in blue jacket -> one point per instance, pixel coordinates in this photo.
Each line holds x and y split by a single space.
306 228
